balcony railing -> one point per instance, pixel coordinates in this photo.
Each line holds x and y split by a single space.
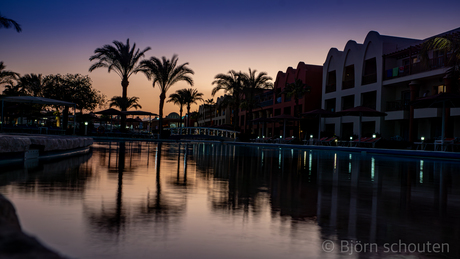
415 68
397 105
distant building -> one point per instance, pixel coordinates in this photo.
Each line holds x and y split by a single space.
273 103
214 115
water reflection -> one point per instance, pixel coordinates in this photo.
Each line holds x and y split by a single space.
139 198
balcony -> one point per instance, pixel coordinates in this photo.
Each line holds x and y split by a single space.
427 113
415 68
397 105
397 115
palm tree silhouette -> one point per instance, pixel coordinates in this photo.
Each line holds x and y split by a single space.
165 73
123 60
252 85
451 44
6 76
231 84
190 96
210 102
32 84
178 99
125 103
296 90
7 23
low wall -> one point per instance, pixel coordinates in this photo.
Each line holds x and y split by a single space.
11 143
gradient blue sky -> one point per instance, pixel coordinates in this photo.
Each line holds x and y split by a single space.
212 36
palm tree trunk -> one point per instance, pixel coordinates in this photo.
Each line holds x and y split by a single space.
65 118
180 117
124 85
160 121
188 115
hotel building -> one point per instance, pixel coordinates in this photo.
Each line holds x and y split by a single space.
384 73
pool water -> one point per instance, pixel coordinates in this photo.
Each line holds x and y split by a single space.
212 200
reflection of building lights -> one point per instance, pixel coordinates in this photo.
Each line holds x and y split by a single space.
262 158
421 171
372 169
349 164
310 161
279 159
305 159
335 161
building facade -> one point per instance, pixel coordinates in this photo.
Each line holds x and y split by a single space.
385 73
409 73
217 114
273 103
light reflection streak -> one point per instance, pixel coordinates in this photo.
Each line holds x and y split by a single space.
372 168
421 171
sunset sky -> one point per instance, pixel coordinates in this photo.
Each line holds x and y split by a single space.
212 36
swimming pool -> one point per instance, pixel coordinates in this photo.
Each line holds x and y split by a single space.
212 200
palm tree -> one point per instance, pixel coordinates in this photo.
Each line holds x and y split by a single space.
165 73
178 98
125 103
32 84
296 90
190 96
252 85
7 23
6 76
210 103
451 44
231 84
123 60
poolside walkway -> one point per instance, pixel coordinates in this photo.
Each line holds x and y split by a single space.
48 146
363 150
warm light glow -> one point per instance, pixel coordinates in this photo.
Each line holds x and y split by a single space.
374 136
422 138
86 123
351 138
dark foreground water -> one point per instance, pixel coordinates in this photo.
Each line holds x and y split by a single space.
150 200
